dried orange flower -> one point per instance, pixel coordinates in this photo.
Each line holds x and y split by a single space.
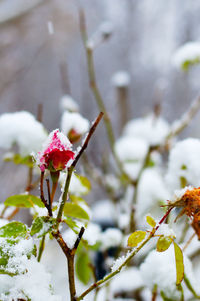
189 199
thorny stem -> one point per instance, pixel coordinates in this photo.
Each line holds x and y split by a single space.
71 168
129 257
95 89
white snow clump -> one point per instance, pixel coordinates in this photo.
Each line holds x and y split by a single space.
74 121
23 129
68 103
187 55
152 191
131 151
152 129
184 163
121 79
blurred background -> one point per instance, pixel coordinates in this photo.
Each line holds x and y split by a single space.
42 57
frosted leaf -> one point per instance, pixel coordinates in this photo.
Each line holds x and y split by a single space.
23 129
152 129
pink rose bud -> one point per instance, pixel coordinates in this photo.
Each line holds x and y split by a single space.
56 153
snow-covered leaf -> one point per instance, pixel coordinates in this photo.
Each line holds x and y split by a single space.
42 225
135 238
13 229
163 243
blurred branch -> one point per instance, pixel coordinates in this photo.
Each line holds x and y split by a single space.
179 126
94 86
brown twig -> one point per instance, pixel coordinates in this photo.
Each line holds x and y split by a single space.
70 254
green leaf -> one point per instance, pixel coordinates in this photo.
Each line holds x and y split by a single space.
163 243
76 199
42 225
83 269
18 159
13 229
85 182
76 211
150 221
71 224
23 201
179 263
135 238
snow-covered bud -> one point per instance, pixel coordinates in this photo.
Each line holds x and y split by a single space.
73 125
56 153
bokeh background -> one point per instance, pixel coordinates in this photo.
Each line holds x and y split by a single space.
38 67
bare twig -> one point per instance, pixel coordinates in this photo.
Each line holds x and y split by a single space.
42 195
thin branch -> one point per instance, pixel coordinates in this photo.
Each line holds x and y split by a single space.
179 126
42 195
71 168
79 238
127 260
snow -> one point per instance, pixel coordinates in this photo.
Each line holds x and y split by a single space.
122 283
92 234
32 281
119 261
159 268
75 187
23 129
165 230
103 211
111 237
184 162
68 103
178 194
131 151
187 53
74 121
152 191
50 27
121 79
152 129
